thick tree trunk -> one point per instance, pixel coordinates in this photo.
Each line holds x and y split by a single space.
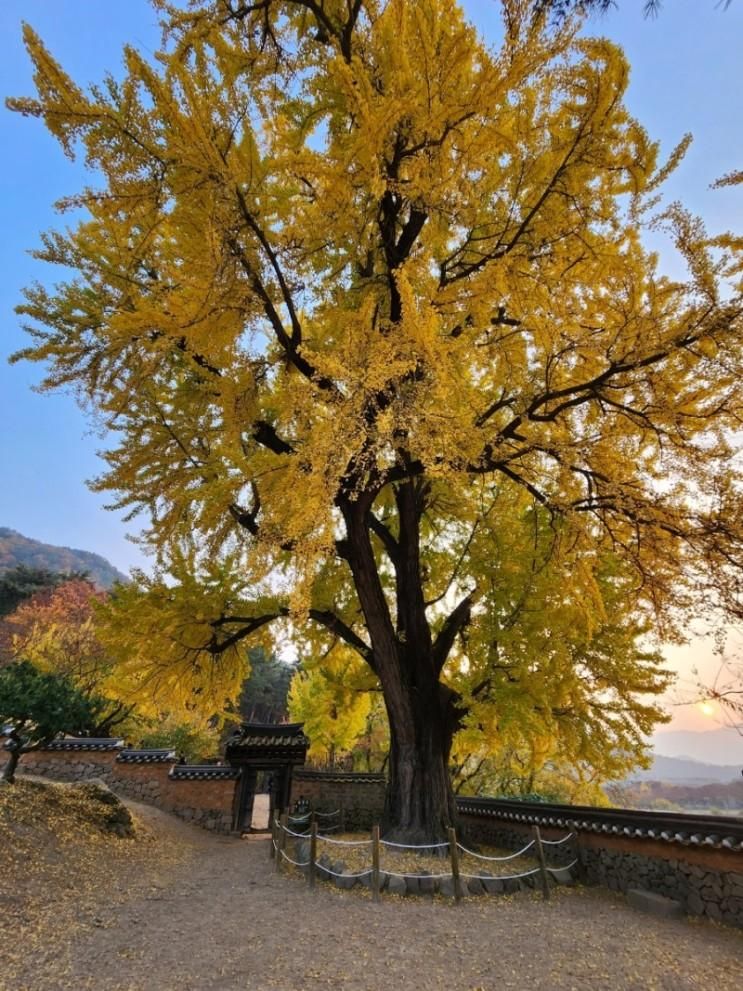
420 803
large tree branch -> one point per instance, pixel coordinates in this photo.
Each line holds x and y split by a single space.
326 27
290 343
366 577
540 409
264 433
248 518
397 249
454 623
324 617
354 9
248 625
381 531
199 359
333 623
296 334
462 271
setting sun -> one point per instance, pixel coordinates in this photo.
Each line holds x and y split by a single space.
707 708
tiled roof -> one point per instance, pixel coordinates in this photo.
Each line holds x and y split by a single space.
716 832
300 740
204 772
352 777
265 744
146 756
86 743
270 735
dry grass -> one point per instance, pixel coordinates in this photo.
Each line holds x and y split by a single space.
63 848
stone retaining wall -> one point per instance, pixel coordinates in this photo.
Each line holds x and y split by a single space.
203 802
70 766
360 797
705 882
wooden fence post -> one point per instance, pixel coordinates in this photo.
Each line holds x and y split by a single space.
313 855
579 855
283 824
274 837
375 863
542 862
454 854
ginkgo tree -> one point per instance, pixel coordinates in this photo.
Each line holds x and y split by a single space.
333 700
366 303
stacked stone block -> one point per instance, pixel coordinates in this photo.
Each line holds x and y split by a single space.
704 881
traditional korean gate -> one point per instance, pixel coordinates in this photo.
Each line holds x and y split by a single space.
269 751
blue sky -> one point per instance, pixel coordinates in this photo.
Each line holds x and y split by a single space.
687 75
48 449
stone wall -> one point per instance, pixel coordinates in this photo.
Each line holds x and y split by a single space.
359 797
704 881
68 766
204 802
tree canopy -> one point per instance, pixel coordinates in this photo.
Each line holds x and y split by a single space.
35 707
56 631
21 582
263 698
391 370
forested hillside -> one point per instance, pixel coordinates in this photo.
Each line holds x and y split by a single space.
15 549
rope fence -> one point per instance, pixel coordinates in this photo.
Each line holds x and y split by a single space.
306 819
296 863
329 870
501 877
290 832
423 877
414 846
558 842
510 856
567 867
281 830
330 839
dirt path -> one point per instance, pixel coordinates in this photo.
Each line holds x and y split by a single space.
217 918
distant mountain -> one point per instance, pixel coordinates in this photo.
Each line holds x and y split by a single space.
717 746
682 770
679 783
16 549
718 798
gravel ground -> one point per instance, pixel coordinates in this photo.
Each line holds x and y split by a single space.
217 918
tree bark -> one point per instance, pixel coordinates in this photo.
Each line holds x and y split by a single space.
420 804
